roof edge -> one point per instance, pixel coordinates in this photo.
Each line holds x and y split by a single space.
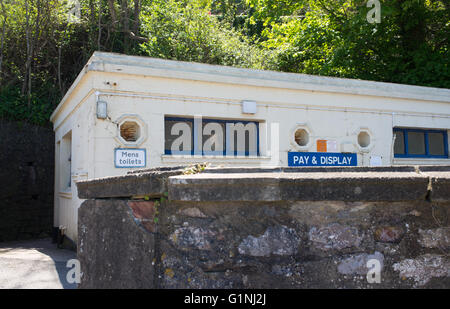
147 66
101 61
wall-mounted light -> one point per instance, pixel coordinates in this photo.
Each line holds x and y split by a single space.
102 110
249 107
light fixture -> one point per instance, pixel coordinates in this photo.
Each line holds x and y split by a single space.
248 107
102 110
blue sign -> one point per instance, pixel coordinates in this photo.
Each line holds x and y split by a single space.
321 159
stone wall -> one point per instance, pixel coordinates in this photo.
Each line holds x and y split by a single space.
276 228
26 177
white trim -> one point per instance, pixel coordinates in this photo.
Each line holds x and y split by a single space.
138 65
271 104
421 161
213 159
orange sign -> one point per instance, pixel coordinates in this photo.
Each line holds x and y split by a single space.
321 145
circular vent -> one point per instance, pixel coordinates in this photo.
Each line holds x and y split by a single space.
301 137
363 139
130 131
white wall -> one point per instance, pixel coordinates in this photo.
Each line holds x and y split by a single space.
335 116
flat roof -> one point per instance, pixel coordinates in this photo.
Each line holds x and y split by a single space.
147 66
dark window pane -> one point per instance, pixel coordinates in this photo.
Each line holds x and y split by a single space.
399 146
179 137
183 128
248 132
416 143
213 138
436 144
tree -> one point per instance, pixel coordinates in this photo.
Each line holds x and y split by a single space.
334 38
42 50
187 31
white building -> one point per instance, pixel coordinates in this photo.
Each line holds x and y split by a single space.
124 112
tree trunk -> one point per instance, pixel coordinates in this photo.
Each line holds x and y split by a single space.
3 38
59 72
92 22
125 26
112 12
27 38
137 22
99 38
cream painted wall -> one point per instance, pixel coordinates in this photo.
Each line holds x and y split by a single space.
335 116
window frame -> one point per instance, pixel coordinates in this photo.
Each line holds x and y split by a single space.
405 132
208 120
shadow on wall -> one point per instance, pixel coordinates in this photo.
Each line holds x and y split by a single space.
27 174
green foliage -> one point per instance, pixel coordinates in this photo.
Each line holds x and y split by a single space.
42 52
273 12
34 75
195 168
306 46
188 32
12 106
409 46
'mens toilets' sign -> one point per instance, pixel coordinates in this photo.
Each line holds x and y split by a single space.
200 136
129 157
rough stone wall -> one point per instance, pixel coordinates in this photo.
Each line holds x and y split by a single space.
27 180
283 244
304 244
115 251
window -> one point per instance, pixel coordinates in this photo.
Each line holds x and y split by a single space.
417 143
301 137
200 136
66 162
363 139
130 131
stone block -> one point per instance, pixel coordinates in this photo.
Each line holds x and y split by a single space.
312 186
114 251
193 238
357 263
142 209
423 268
334 237
277 240
435 238
389 234
148 183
